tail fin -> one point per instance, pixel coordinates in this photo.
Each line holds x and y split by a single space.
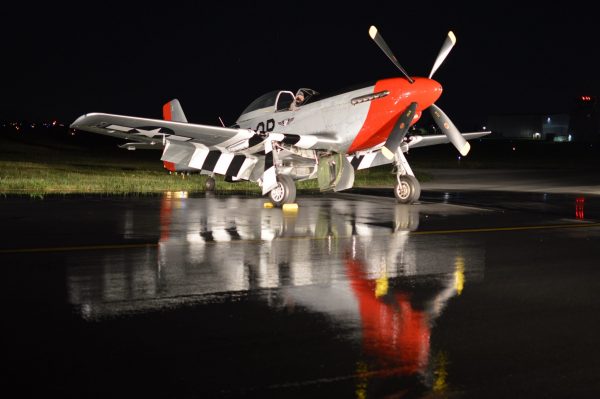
172 111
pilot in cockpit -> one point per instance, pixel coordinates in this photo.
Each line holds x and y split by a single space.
298 100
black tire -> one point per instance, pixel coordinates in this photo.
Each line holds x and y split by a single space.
407 190
284 192
209 185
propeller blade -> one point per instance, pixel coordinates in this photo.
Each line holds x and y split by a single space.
398 132
378 39
444 51
450 130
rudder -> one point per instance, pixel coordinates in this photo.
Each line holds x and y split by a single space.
172 111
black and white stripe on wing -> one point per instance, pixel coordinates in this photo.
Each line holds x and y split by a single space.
222 163
199 157
236 156
367 160
355 161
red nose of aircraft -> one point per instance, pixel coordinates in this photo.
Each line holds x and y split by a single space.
423 91
384 112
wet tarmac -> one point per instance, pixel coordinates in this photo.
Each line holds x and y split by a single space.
568 179
467 294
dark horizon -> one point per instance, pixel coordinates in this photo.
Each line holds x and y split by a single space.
63 62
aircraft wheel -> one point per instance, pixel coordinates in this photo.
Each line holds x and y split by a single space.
284 192
209 185
407 189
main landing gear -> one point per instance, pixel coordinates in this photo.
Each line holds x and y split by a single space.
407 189
284 192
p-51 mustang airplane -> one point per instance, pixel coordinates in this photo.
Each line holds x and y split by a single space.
281 137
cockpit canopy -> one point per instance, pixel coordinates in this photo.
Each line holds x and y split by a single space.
264 101
278 100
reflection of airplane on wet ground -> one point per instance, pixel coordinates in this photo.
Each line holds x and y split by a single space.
206 247
283 137
333 257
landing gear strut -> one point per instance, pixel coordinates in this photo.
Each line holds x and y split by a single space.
209 185
284 192
407 189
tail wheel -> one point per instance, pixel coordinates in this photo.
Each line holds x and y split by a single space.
284 192
209 185
407 189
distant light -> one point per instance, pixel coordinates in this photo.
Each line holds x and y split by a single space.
459 157
484 128
514 148
580 208
53 123
570 138
548 120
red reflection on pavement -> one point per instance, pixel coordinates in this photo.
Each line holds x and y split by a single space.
166 210
393 331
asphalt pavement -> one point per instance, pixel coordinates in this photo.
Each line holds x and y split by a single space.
467 294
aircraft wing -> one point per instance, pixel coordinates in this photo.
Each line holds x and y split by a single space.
238 153
376 158
157 131
424 141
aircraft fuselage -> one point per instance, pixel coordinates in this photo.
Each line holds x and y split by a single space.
352 121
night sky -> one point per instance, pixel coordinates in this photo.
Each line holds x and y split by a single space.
61 61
